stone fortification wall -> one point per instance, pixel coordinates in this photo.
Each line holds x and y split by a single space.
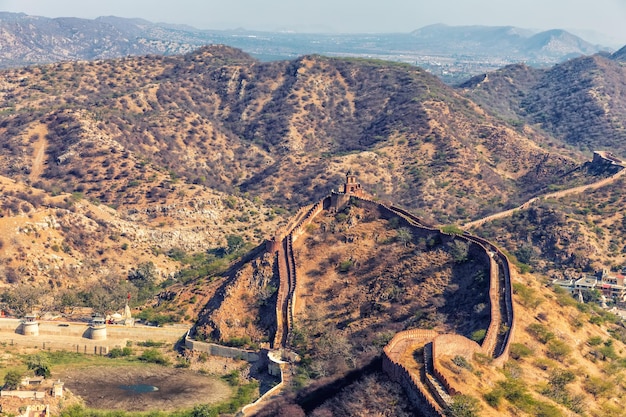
250 409
491 336
416 391
503 354
222 351
287 268
23 394
283 289
426 395
501 312
300 227
505 298
419 394
291 296
410 335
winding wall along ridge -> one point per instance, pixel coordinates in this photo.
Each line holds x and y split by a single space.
421 389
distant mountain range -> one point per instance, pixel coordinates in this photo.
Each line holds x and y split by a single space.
503 41
451 52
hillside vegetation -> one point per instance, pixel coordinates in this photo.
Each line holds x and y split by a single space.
581 102
163 176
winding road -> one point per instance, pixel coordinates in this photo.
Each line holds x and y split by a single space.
557 194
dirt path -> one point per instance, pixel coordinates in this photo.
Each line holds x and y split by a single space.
557 194
39 153
107 388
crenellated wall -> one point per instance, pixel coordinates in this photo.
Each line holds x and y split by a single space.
415 389
425 391
500 313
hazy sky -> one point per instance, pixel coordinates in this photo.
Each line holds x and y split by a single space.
604 16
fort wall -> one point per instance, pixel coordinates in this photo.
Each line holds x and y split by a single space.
220 350
417 393
23 394
456 344
423 390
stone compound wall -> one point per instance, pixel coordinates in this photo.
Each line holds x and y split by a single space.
23 394
400 374
287 268
222 351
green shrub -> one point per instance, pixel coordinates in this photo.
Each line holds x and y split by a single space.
494 397
452 229
153 356
238 341
346 265
594 341
519 350
39 364
12 379
463 406
150 343
558 349
478 335
461 362
232 378
540 332
528 296
118 353
598 387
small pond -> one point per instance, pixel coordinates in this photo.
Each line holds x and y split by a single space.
139 388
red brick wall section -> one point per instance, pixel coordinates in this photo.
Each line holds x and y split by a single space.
280 299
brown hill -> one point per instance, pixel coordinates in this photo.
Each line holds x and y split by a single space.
580 102
139 158
361 279
278 131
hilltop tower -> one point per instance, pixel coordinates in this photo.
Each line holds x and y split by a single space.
352 187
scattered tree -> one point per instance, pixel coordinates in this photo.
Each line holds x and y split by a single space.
12 379
39 364
405 236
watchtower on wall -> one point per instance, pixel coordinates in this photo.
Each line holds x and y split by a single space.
351 186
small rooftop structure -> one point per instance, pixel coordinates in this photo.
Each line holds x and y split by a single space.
97 328
57 389
97 321
30 325
29 318
611 286
32 380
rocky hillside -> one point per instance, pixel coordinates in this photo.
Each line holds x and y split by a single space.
26 40
568 235
283 132
581 102
216 139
